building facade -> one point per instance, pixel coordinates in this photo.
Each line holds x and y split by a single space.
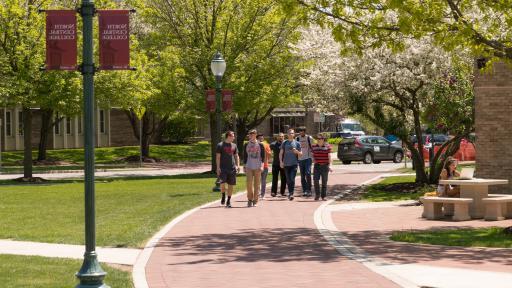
112 128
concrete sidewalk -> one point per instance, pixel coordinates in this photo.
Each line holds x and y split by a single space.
124 256
132 172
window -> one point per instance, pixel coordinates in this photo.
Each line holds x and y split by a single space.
382 141
8 123
102 121
20 122
68 126
80 124
57 124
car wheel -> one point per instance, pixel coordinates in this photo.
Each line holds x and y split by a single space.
376 162
368 158
346 162
397 158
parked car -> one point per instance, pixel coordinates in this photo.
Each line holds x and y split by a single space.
369 149
341 135
428 139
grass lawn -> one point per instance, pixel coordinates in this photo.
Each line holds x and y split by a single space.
409 167
395 188
196 152
41 272
482 237
128 211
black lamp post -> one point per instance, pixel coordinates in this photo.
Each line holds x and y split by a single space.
218 67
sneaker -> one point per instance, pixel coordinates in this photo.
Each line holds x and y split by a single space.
273 194
249 203
254 204
317 198
323 198
228 205
290 198
223 199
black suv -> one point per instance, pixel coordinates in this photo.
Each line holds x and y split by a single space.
369 149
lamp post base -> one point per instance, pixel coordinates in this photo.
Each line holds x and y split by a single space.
91 275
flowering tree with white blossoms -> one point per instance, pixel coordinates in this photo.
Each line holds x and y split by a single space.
398 91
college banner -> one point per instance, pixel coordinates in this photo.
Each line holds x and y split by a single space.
227 100
210 100
114 39
61 43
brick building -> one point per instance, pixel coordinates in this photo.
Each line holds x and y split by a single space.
493 107
112 129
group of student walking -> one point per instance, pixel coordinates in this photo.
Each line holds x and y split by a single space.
296 152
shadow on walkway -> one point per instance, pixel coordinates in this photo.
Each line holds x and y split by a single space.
253 245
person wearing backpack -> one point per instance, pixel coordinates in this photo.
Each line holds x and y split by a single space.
290 151
305 161
254 159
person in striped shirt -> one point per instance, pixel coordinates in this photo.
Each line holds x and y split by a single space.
322 165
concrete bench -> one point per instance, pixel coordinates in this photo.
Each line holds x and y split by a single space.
433 207
497 207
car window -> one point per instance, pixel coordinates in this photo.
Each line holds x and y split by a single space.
382 141
365 141
374 141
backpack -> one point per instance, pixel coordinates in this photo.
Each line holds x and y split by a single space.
309 141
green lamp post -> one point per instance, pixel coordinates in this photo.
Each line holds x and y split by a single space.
90 275
218 67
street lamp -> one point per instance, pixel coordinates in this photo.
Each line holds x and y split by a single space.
218 67
91 274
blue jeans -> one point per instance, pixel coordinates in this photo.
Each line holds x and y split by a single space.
305 174
291 172
264 174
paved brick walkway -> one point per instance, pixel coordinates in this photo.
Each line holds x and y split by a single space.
369 229
273 245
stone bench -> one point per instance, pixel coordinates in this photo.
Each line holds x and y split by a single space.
433 207
497 207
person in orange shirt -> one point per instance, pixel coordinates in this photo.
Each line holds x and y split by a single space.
264 174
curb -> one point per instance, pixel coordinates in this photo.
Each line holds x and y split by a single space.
325 226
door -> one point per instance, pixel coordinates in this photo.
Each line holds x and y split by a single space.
385 148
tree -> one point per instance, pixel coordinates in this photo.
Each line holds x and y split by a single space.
484 27
254 38
21 39
393 89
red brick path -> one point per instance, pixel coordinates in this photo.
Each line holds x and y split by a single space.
273 245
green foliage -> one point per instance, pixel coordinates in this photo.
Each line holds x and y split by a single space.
467 237
179 128
334 141
39 272
128 211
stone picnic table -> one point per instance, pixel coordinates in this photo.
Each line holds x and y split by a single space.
476 189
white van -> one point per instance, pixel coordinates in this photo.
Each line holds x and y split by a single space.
350 126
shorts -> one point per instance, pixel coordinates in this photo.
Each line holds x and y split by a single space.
228 177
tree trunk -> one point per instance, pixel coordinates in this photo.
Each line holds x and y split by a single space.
27 142
46 125
419 164
152 125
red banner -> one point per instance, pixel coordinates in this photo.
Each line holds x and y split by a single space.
227 100
61 48
114 39
210 100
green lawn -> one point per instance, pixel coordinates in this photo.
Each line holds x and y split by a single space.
396 188
483 237
409 167
196 152
41 272
129 211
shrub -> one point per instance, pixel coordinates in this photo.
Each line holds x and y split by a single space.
179 128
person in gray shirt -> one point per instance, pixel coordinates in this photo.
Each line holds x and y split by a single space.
290 151
254 157
305 161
